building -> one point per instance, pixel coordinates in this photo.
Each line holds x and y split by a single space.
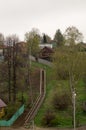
2 107
21 47
46 53
41 46
50 44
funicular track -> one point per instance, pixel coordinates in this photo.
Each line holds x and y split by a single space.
30 116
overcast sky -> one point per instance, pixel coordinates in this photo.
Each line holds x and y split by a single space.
20 16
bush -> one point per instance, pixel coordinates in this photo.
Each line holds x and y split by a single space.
84 79
84 106
61 101
10 110
49 119
62 74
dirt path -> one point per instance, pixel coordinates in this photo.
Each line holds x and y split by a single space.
37 128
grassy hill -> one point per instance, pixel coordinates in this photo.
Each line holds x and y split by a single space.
63 118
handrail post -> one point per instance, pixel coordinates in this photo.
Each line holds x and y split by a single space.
40 81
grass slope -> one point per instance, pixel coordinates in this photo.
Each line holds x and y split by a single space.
63 118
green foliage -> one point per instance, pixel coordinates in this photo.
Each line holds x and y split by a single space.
49 119
10 110
72 36
23 98
61 101
84 106
69 63
84 79
60 97
63 118
44 39
33 40
59 38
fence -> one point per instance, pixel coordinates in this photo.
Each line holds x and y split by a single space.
13 118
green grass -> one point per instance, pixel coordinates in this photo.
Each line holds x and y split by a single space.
63 118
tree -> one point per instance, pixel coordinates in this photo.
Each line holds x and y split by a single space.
73 36
11 60
11 56
33 40
14 71
46 38
59 38
2 42
69 64
1 39
8 57
11 39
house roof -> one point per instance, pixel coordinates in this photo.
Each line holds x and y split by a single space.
48 49
2 104
22 43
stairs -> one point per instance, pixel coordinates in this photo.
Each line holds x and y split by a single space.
32 113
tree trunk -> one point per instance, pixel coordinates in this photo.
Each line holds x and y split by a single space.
9 71
14 72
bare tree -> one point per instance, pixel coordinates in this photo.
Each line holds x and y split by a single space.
73 36
12 38
14 71
33 40
11 60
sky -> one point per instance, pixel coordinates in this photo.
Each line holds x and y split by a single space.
20 16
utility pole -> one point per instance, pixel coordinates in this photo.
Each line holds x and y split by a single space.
74 108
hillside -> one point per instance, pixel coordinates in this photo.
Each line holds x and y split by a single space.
63 118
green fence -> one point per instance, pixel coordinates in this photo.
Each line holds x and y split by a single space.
13 118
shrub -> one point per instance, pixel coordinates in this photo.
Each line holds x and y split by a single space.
61 101
84 106
62 74
10 110
49 119
84 79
